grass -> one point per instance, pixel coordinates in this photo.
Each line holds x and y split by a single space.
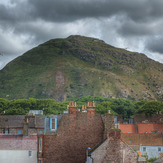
89 67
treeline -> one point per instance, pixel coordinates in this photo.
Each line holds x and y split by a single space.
22 106
125 107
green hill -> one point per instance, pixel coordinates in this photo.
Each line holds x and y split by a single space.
81 66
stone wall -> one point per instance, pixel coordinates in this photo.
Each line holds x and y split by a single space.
75 133
114 150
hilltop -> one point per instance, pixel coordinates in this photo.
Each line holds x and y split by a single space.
81 66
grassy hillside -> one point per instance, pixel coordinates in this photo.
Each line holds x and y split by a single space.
81 66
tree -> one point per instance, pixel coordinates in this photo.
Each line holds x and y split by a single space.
151 107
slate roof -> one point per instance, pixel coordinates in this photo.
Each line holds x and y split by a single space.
16 121
40 121
12 121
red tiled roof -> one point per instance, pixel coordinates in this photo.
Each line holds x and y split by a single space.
127 128
149 127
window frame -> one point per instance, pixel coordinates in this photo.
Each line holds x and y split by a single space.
38 131
18 129
51 123
40 145
30 153
144 149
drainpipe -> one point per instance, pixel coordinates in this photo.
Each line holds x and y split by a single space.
87 154
45 127
123 156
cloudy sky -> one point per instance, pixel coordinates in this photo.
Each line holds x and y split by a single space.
133 24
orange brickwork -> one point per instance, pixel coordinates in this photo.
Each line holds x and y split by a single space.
150 127
127 128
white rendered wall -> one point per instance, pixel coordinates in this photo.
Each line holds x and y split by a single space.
151 151
18 156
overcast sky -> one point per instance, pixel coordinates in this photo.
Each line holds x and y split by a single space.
133 24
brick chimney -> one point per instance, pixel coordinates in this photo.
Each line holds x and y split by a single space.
91 108
108 123
25 127
72 109
31 119
115 134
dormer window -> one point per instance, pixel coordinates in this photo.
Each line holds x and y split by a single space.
53 124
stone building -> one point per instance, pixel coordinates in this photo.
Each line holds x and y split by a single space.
21 124
29 124
147 143
77 131
112 150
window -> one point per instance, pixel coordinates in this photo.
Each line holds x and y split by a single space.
40 132
19 131
159 149
144 149
30 153
130 141
53 123
6 131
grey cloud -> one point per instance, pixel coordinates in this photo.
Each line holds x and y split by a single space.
130 28
155 44
121 23
65 11
140 10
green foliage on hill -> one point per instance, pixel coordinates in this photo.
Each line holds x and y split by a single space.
22 106
79 66
151 107
126 108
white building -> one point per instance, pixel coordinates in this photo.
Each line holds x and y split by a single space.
18 149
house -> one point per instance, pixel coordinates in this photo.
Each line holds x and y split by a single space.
21 124
112 149
146 135
18 149
77 131
141 128
18 136
147 143
29 124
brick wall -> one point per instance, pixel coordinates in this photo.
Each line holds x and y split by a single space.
18 142
119 119
108 124
143 139
74 135
127 128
